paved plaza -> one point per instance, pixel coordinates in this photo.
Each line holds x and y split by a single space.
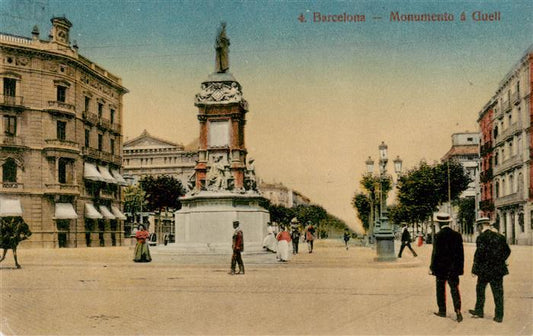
100 291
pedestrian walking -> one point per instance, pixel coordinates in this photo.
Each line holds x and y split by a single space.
310 236
142 252
346 237
295 237
237 246
489 265
406 242
447 264
284 238
270 243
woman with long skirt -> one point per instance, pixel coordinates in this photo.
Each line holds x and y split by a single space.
142 252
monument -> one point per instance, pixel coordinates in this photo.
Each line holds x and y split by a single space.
225 186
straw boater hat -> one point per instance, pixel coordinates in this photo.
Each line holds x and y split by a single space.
483 221
442 217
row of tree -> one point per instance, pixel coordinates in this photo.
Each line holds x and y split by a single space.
420 191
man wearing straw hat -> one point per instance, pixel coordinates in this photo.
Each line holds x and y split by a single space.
447 263
489 265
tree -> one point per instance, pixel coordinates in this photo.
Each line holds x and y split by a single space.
162 192
362 204
310 213
134 199
467 214
280 214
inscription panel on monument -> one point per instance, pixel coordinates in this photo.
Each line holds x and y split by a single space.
218 133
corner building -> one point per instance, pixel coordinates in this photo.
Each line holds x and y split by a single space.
512 153
60 141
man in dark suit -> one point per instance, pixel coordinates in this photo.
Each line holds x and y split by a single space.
489 265
406 241
447 263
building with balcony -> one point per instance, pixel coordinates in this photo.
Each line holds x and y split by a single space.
279 194
465 150
484 191
60 140
511 159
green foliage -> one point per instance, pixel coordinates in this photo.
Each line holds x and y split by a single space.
467 213
310 213
280 214
162 192
423 188
363 206
134 198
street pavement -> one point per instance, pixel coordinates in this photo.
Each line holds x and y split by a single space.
333 291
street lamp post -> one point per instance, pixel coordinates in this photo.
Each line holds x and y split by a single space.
382 230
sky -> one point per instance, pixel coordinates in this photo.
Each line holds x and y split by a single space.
322 95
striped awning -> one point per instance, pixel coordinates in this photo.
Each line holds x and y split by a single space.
91 173
91 212
65 211
116 211
10 207
106 213
106 175
120 180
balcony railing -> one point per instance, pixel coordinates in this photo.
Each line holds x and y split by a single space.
91 152
105 123
510 130
61 107
11 100
107 194
105 156
90 117
515 97
11 186
62 144
11 141
506 105
511 162
508 199
61 188
115 128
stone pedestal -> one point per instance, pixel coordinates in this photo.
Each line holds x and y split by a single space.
204 223
385 246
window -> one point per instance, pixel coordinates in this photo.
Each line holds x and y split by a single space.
497 189
470 139
10 86
112 116
10 125
100 141
100 110
87 103
112 146
62 171
9 171
61 93
61 130
87 137
496 159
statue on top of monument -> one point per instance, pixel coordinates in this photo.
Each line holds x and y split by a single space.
222 50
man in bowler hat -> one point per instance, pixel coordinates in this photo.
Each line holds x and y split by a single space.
237 247
489 265
447 263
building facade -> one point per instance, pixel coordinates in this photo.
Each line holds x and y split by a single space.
60 141
149 155
465 150
279 194
513 174
485 197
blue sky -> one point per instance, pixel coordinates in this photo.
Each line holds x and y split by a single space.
322 95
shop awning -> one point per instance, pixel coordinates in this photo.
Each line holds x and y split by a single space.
10 207
106 213
120 180
91 212
106 175
65 211
117 213
91 173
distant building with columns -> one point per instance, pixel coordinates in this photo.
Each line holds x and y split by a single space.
60 141
279 194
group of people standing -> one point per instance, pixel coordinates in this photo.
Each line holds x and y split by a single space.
280 242
447 264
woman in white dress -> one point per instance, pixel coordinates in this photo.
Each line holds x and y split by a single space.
270 243
284 239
